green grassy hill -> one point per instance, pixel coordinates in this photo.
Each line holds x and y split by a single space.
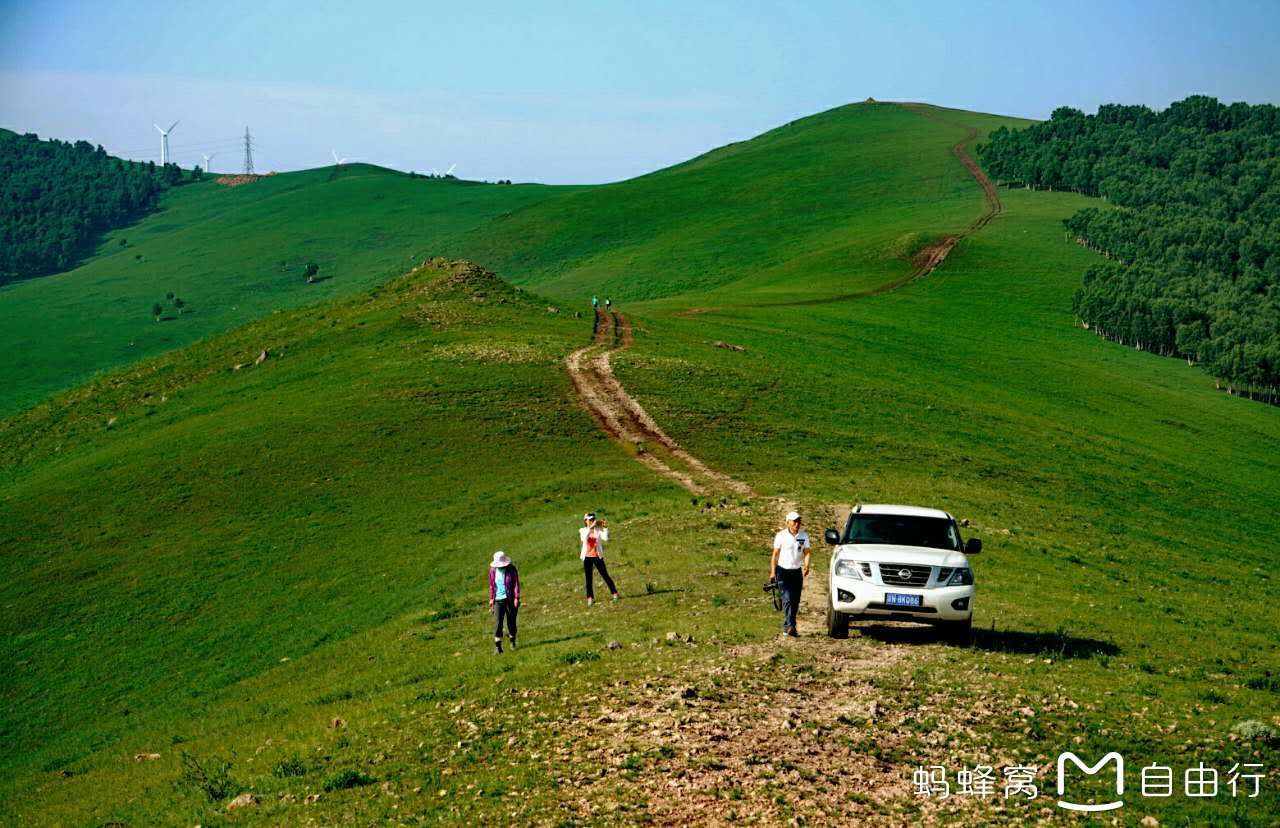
825 205
233 254
219 562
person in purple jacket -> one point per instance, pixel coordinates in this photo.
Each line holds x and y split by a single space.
504 597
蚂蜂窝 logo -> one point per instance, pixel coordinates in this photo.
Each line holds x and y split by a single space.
1090 770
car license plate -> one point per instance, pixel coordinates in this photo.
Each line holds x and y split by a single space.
897 599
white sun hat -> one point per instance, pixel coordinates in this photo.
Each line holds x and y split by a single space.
500 559
792 516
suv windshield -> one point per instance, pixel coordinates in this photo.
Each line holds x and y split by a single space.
902 530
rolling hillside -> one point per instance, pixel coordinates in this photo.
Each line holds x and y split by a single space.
281 566
233 254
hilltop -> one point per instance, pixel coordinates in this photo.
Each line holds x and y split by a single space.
826 205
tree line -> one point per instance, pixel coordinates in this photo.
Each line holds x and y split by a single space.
1191 232
58 198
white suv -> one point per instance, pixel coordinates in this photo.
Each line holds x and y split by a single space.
901 563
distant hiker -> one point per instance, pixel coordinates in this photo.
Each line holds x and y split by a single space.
608 304
504 597
595 303
789 566
593 535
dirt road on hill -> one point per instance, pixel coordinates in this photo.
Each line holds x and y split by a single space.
757 744
626 421
928 259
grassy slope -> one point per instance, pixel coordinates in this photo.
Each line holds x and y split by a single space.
828 204
1124 481
234 254
1137 499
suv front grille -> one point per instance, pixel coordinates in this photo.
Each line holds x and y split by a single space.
908 575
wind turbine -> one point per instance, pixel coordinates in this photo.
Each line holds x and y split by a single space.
164 142
207 159
450 170
337 162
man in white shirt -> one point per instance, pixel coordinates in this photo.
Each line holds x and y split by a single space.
789 566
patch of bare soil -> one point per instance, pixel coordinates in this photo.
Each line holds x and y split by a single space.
788 731
237 180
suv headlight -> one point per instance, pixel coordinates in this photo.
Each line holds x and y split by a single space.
848 569
961 577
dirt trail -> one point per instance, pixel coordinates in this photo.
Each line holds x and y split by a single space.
742 745
928 259
625 420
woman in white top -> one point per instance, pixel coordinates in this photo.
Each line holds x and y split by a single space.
592 536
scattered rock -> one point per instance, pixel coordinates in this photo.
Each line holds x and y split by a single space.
338 723
312 798
146 757
689 693
262 357
728 346
237 366
1026 711
112 422
615 645
552 309
244 800
873 710
964 522
1149 822
673 636
284 659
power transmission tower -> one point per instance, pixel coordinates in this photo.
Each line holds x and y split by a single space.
248 152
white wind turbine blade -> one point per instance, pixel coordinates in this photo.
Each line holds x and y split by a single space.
450 170
171 126
158 129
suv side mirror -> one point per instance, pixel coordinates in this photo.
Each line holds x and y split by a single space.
973 546
832 537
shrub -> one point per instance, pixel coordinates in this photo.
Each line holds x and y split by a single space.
293 766
212 776
348 778
576 656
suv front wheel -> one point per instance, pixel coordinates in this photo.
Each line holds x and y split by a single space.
959 633
837 623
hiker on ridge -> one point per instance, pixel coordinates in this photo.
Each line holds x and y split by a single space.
504 597
789 566
608 305
593 535
595 303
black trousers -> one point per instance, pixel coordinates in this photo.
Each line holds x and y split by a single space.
504 608
597 563
792 583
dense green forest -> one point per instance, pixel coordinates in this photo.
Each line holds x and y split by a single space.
57 198
1193 238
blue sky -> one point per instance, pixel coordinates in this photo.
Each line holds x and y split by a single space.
578 91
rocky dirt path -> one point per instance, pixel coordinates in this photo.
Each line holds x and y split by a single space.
801 731
626 421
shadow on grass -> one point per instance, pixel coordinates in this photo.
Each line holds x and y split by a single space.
545 641
1058 645
653 592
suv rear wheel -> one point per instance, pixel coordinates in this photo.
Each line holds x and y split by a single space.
837 623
